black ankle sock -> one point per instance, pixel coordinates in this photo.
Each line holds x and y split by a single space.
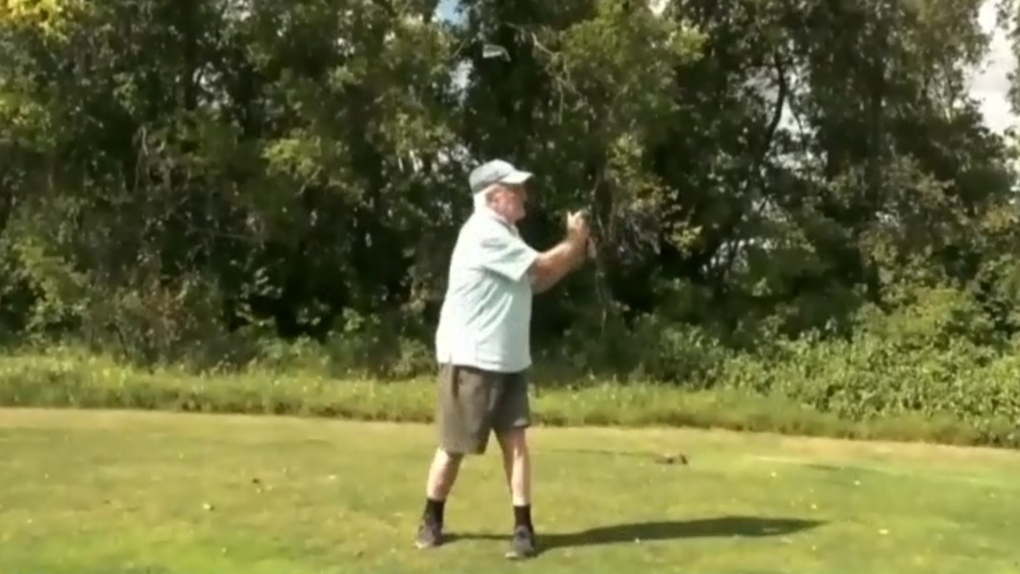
522 516
434 509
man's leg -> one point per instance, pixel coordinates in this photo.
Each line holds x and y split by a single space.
512 418
463 414
442 475
517 466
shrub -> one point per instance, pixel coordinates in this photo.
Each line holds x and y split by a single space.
822 389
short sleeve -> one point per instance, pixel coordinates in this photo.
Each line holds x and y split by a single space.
503 252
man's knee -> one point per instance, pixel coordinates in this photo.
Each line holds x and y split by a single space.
461 444
449 457
513 440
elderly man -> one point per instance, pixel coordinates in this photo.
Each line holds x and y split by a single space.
483 346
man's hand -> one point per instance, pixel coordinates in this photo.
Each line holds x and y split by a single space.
552 265
577 227
579 233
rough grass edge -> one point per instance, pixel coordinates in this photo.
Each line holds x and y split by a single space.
68 379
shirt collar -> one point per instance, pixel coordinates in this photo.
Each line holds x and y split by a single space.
485 211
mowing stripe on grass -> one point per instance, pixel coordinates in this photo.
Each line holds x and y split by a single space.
918 473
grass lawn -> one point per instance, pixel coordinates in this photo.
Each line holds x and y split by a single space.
114 492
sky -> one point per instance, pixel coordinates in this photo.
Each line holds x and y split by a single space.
447 9
989 83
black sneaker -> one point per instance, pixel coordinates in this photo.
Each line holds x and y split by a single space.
430 533
522 544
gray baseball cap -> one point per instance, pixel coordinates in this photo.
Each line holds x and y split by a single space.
496 171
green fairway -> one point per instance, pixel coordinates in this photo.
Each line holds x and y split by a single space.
116 492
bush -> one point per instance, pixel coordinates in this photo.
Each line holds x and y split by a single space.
820 389
933 368
870 380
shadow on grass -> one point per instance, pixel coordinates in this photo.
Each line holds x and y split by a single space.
722 527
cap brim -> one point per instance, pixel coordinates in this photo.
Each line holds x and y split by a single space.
517 177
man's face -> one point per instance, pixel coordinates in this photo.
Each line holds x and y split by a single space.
508 201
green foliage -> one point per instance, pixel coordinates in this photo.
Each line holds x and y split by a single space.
869 388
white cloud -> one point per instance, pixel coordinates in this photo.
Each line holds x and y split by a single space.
990 82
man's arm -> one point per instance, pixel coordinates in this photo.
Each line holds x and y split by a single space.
553 265
506 254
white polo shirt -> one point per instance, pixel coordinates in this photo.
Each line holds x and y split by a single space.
485 321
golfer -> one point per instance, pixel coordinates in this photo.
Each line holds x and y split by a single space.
483 344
